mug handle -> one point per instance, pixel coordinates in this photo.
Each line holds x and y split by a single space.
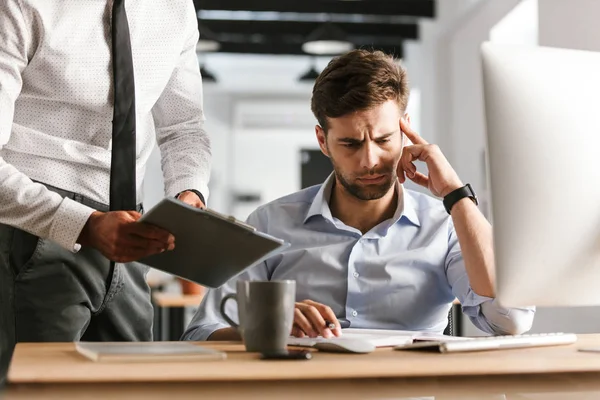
222 309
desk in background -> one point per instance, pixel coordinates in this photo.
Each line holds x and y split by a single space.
169 314
561 372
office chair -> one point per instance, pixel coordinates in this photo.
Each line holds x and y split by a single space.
454 327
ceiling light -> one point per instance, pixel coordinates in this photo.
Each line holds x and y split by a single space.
207 76
327 39
311 75
208 40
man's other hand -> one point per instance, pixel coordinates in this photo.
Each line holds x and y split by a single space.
120 238
311 319
191 198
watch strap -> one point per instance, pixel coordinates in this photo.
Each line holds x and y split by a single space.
453 197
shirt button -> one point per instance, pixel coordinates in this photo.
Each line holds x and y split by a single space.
354 313
356 275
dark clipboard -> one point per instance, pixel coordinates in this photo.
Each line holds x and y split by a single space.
210 248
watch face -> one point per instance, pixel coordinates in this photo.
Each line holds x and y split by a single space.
473 195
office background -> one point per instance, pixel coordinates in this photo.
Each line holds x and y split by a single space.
259 119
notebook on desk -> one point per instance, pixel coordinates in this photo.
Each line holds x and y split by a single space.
146 351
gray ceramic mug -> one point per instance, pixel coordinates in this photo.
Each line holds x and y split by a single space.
266 314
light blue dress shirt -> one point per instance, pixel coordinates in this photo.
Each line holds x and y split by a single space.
402 274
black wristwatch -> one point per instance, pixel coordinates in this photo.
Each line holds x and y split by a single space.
453 197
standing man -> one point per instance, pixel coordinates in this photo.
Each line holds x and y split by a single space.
85 88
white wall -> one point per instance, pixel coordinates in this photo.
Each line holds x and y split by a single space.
569 24
519 26
268 136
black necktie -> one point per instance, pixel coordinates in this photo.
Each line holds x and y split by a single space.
122 169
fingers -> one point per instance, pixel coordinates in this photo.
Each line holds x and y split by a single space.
297 332
130 215
407 168
154 233
302 323
132 248
122 238
143 244
412 135
316 319
125 223
420 179
313 317
328 315
421 152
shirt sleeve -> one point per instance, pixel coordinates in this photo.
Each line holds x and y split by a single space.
208 318
484 312
23 203
179 120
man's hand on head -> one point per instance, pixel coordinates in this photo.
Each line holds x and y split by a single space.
312 319
442 178
121 238
191 198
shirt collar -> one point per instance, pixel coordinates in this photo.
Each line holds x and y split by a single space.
320 204
409 205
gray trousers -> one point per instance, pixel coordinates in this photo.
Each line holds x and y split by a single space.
49 294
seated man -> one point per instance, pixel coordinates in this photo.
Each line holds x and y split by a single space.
365 251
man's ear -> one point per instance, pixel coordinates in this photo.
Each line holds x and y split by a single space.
322 139
407 118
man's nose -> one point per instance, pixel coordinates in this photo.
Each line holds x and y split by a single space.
369 156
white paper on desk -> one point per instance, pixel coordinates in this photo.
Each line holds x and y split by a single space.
377 337
415 335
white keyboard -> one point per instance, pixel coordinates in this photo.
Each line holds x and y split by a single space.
494 342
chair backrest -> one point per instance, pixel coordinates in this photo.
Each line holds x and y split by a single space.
450 327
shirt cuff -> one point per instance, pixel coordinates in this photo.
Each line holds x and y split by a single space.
201 333
188 184
68 222
471 304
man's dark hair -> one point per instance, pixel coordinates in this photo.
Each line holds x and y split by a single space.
357 81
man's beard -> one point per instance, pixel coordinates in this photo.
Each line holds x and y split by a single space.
367 192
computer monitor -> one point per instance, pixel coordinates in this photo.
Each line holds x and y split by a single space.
543 144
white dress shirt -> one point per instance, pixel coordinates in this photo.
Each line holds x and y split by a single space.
56 106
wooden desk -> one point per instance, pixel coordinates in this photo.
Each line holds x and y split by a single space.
57 370
177 300
170 313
